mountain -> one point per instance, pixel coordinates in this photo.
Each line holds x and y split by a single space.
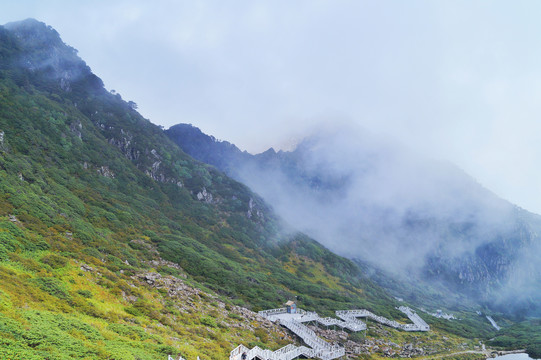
115 244
369 199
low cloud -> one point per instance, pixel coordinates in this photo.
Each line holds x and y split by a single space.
366 197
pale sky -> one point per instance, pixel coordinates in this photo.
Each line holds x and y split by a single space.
455 80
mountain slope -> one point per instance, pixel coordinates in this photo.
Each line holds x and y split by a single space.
369 199
115 244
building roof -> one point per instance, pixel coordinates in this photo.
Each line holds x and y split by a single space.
289 303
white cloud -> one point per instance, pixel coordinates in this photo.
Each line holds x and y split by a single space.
457 80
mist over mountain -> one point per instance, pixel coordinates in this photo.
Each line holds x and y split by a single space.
117 244
368 198
114 243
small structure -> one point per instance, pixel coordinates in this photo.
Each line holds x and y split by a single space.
291 307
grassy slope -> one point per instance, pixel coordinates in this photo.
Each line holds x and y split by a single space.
84 179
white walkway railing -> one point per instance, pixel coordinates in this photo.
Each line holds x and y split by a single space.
288 352
307 335
418 323
267 313
319 348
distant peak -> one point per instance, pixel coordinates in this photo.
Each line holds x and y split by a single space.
183 126
270 151
30 22
35 33
40 49
32 26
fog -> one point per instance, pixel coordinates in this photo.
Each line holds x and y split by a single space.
457 79
371 198
451 80
62 63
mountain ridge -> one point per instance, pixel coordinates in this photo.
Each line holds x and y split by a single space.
483 236
96 200
116 244
123 133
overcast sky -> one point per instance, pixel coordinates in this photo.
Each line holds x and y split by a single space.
457 80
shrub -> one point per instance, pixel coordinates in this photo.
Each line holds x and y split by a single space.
3 253
85 293
235 316
52 286
133 311
55 261
261 334
534 350
208 321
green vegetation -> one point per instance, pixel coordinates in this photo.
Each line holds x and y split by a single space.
93 197
91 193
523 335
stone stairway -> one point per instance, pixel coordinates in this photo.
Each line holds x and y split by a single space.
348 322
288 352
418 323
319 348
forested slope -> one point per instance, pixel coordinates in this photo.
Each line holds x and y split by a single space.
109 231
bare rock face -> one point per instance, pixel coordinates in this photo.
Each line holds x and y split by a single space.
205 196
86 268
156 171
125 143
3 142
106 172
164 263
175 287
65 81
410 350
253 210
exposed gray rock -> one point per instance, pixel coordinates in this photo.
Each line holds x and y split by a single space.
205 196
76 127
86 268
105 171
